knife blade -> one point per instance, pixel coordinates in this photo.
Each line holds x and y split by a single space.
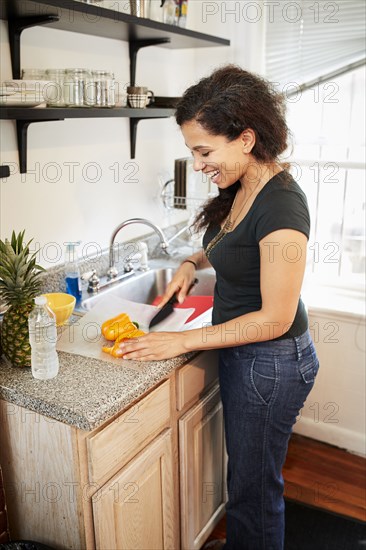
168 308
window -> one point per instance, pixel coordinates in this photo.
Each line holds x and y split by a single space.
328 126
306 40
315 53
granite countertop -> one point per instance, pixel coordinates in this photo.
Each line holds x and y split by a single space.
86 392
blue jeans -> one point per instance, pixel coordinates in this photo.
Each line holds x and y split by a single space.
263 387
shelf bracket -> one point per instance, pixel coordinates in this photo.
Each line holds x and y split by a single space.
16 26
22 133
134 46
4 171
133 131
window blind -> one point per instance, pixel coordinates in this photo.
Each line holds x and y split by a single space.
306 40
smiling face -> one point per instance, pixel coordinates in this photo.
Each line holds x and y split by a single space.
225 162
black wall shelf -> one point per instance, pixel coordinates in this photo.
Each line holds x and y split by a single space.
25 116
55 113
77 16
92 19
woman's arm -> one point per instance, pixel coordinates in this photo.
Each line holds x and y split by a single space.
200 259
184 277
282 267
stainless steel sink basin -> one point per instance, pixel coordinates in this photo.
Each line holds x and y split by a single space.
144 287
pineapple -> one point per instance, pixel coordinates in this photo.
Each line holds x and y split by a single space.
19 284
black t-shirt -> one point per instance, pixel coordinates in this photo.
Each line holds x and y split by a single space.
280 204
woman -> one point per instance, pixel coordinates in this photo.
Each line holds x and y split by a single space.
256 237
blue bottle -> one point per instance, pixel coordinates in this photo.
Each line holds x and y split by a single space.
72 272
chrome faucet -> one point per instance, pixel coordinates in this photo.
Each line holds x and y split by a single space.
112 271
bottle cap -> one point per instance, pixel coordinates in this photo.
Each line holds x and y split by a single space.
40 300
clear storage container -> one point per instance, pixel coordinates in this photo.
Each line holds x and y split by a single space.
75 87
34 74
105 92
54 91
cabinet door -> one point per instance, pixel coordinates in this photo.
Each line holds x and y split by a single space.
136 508
203 470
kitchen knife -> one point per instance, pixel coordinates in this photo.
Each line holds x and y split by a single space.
168 308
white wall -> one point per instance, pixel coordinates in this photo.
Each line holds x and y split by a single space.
54 207
334 411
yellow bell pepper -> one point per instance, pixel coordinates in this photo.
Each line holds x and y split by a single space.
115 350
117 326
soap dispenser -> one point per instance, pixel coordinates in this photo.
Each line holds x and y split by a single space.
72 271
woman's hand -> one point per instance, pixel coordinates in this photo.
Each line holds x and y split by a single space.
182 280
154 346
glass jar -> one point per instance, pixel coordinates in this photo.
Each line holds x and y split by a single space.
169 12
105 93
54 90
89 91
34 74
75 87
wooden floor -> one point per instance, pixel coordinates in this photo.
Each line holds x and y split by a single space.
322 476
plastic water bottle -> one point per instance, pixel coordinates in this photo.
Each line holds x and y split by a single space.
43 338
72 272
169 12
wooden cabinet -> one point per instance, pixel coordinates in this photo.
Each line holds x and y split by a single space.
71 489
153 477
121 440
194 378
202 469
135 509
44 493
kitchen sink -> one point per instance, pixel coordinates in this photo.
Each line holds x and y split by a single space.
144 287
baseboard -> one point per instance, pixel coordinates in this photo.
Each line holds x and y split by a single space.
333 434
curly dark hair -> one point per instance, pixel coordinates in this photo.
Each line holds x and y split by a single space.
226 103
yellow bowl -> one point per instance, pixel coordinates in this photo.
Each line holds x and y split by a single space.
62 305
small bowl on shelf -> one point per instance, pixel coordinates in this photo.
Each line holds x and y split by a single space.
62 305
